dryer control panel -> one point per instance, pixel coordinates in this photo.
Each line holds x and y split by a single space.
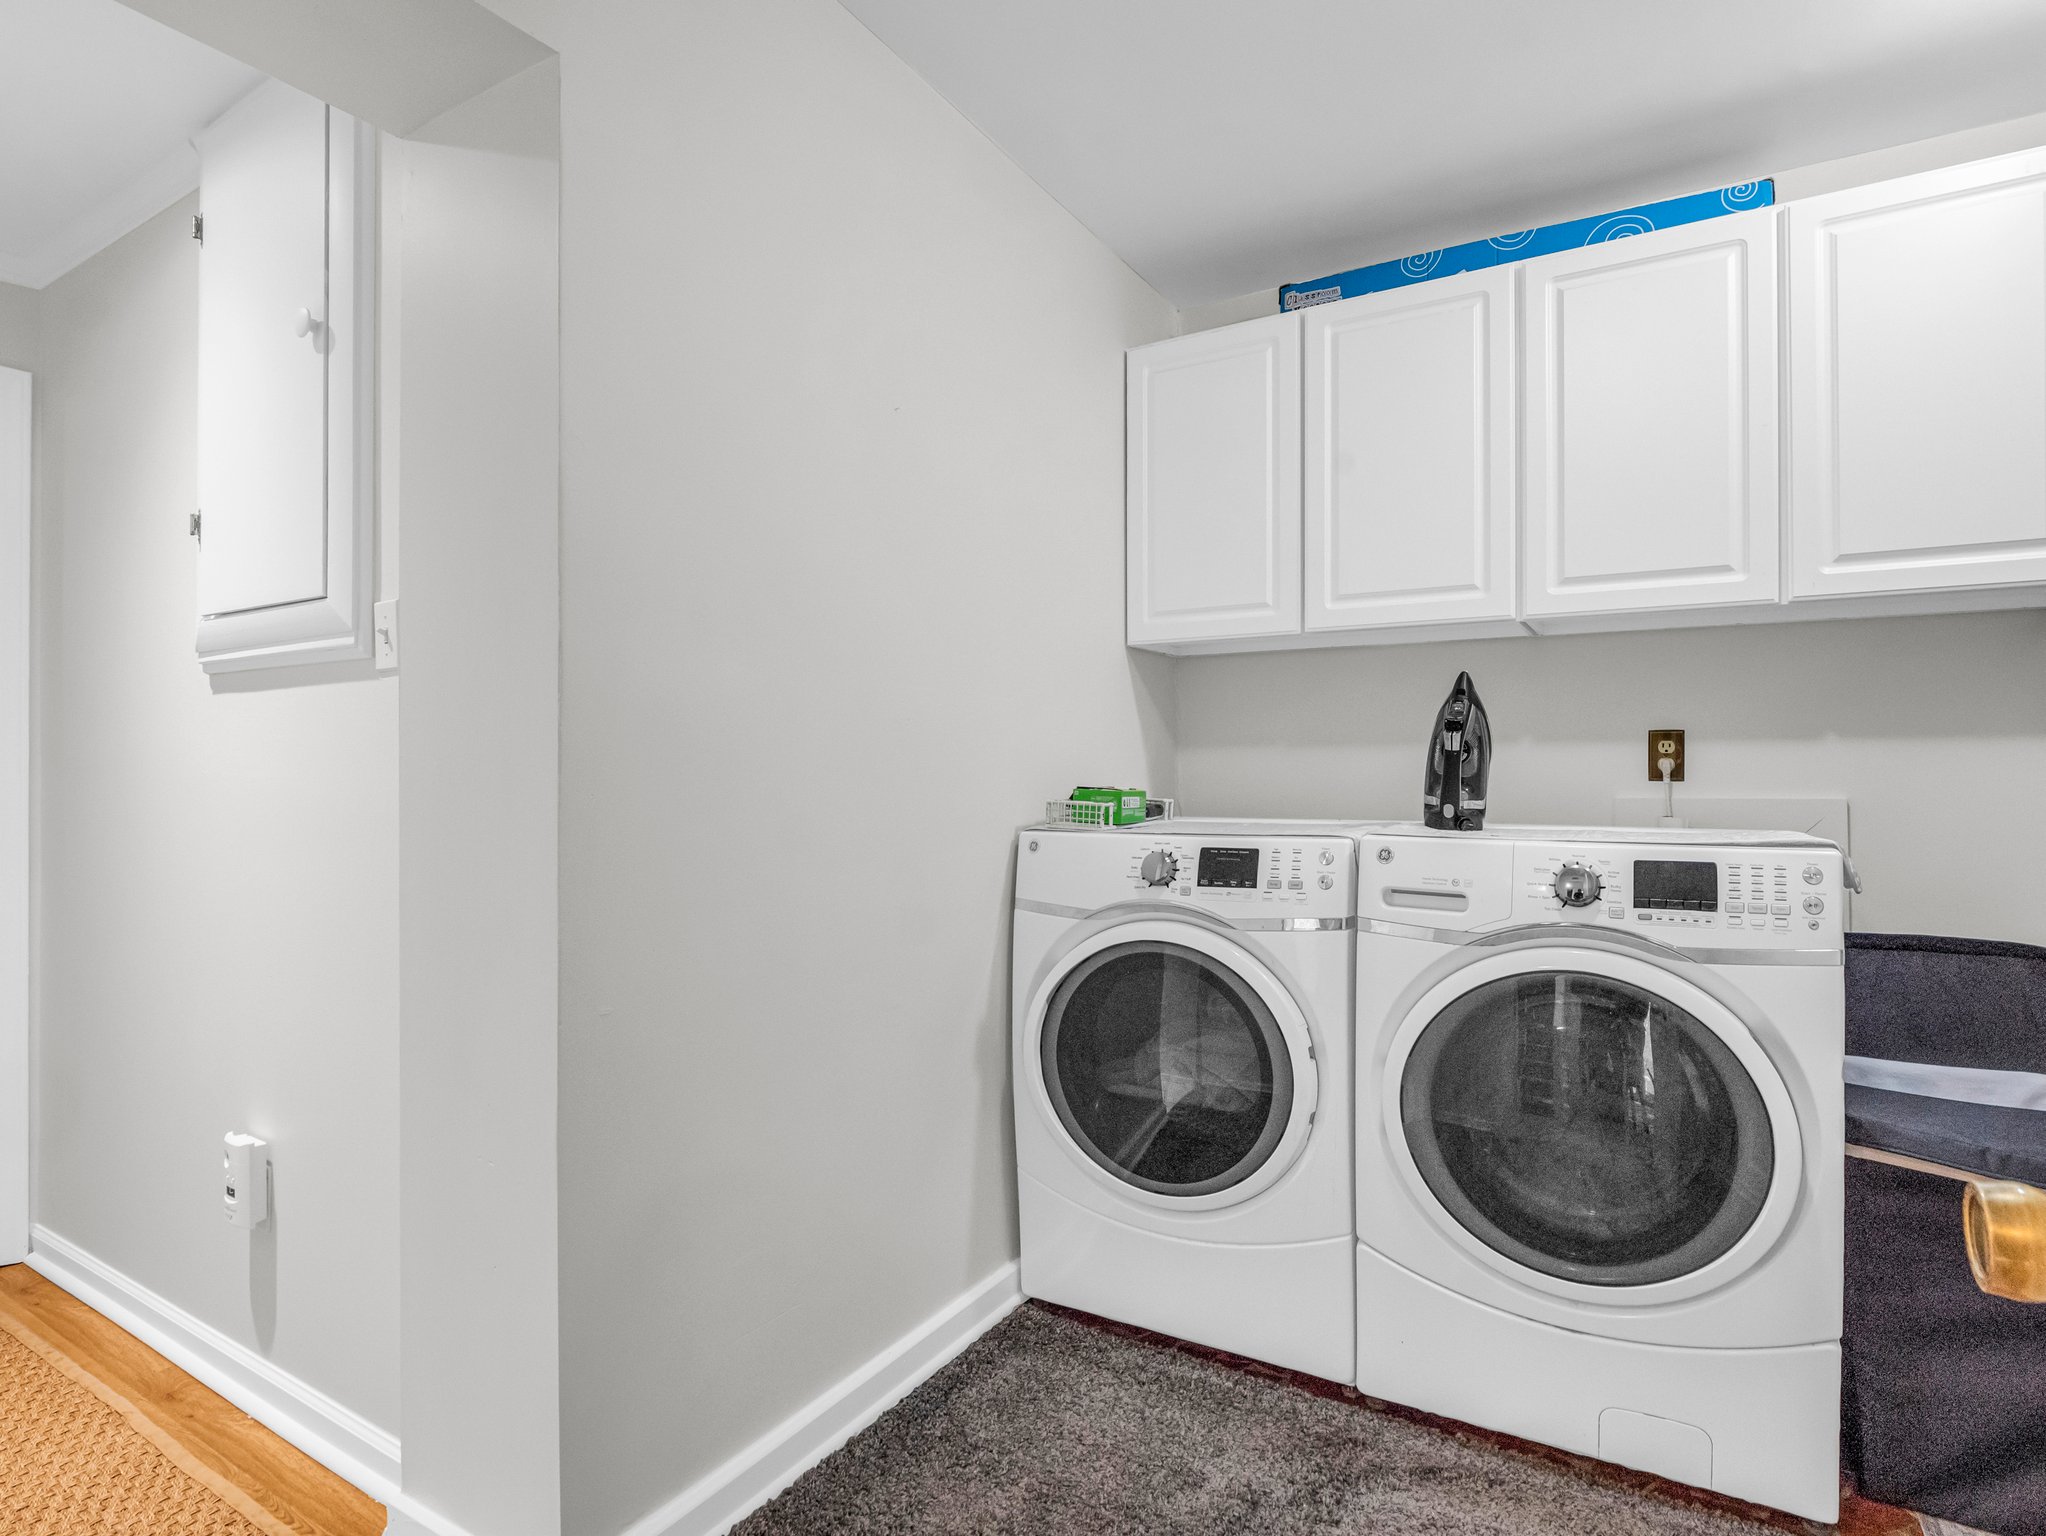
1788 895
1241 872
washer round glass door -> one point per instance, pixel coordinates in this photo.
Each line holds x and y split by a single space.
1169 1068
1601 1124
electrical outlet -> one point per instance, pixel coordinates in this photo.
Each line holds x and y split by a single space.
1662 744
245 1179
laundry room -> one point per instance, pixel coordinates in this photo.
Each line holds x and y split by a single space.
1150 766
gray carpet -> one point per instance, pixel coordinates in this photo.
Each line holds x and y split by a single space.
1048 1425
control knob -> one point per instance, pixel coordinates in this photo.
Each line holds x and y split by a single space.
1160 868
1577 885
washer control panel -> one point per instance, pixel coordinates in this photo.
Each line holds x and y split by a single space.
1696 894
1680 892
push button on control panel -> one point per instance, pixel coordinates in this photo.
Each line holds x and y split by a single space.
1815 905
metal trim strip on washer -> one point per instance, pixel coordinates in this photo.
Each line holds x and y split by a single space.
1162 909
1563 932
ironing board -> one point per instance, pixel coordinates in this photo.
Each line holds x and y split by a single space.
1944 1401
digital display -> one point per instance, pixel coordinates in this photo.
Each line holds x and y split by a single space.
1233 869
1678 885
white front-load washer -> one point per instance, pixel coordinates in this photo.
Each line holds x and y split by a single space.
1182 996
1599 1144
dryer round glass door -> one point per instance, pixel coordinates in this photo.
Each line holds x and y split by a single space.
1167 1068
1587 1127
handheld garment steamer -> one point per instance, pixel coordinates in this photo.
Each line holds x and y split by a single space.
1459 762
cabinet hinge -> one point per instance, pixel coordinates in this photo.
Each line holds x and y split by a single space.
199 227
192 527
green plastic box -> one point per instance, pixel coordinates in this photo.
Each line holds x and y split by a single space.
1126 806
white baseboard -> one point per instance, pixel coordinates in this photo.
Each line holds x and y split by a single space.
403 1517
339 1439
720 1499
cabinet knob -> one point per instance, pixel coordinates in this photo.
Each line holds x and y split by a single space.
305 323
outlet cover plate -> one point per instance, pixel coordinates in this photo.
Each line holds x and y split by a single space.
1665 743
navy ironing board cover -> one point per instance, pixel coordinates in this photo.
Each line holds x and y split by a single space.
1987 1139
1954 1003
1943 1400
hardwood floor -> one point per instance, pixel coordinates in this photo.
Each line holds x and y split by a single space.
291 1486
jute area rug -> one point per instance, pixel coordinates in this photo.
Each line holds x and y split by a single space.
1051 1426
76 1459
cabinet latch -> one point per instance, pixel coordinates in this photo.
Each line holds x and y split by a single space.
192 527
199 227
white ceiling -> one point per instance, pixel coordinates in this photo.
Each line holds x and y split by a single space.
97 107
1221 147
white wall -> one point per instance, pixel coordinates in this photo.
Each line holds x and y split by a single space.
17 432
217 943
841 606
1925 725
469 409
471 282
17 326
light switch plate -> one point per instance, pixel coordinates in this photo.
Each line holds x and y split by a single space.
384 624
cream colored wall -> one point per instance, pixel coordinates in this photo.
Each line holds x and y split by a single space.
216 877
841 605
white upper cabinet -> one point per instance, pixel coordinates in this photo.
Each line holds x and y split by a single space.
1593 440
1409 472
1918 382
1213 508
1651 462
263 384
286 279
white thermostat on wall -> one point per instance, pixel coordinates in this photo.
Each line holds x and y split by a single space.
245 1168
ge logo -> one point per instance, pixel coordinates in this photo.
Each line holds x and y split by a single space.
1385 855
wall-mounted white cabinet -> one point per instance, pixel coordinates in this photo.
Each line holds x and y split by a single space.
287 269
1213 509
1409 464
1917 350
1593 439
1651 424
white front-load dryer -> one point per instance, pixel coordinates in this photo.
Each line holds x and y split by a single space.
1599 1142
1182 997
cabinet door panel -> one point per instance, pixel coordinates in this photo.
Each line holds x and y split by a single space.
1918 382
1651 439
1409 456
1214 484
263 382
